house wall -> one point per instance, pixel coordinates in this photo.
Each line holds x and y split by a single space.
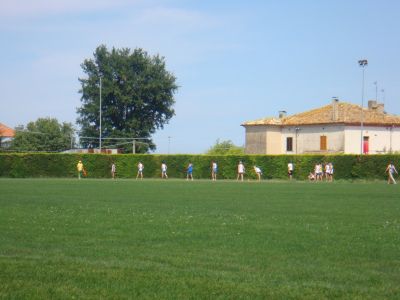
274 140
306 139
256 140
381 139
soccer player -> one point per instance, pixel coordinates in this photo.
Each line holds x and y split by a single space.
331 172
391 169
214 170
258 172
80 169
240 171
164 170
140 168
290 169
189 171
113 170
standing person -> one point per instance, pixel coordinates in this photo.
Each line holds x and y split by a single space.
140 168
240 171
318 172
80 169
164 170
290 169
327 172
189 171
214 170
331 173
391 169
258 172
113 170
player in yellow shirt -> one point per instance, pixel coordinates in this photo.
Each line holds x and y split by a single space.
80 169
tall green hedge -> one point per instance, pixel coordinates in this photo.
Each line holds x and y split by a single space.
274 166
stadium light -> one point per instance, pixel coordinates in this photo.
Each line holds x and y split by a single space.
362 63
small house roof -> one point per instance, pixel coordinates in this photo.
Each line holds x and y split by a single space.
6 131
335 113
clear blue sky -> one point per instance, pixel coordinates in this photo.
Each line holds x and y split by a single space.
234 60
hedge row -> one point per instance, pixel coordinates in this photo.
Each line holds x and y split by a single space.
273 166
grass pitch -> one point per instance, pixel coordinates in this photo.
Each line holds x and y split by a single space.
153 239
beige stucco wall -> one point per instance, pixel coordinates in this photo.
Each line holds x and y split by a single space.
274 140
256 140
307 138
381 139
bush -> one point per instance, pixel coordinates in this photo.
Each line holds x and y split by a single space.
274 166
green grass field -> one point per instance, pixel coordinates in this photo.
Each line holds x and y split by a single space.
153 239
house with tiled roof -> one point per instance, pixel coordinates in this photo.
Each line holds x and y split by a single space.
338 127
6 134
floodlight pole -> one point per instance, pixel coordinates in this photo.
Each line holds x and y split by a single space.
100 120
362 63
376 90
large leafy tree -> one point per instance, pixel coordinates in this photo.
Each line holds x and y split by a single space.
44 134
137 97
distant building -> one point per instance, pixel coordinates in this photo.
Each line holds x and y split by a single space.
6 135
334 128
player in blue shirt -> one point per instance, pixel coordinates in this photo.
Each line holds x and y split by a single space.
189 171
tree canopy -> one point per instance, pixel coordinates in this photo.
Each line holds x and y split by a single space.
45 134
137 97
225 148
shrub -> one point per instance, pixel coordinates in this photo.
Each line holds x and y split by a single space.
273 166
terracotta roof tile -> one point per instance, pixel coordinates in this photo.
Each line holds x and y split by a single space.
345 113
6 131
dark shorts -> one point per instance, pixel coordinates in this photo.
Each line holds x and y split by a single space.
290 172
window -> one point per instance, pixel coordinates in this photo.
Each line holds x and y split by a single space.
322 143
289 144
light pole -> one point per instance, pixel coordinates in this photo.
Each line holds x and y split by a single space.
100 120
383 97
297 129
376 91
169 142
362 63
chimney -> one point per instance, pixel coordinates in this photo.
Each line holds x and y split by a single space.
375 106
335 109
380 107
372 104
282 114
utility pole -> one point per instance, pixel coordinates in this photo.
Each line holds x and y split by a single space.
100 120
362 63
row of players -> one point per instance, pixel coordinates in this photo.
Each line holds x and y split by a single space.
317 175
189 170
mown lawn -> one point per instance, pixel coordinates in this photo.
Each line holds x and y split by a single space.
153 239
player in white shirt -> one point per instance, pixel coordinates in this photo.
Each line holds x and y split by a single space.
164 170
327 172
113 170
214 170
240 171
391 169
140 170
290 168
258 172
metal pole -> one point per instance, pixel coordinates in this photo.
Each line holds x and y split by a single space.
376 90
169 142
100 119
363 63
133 147
362 112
